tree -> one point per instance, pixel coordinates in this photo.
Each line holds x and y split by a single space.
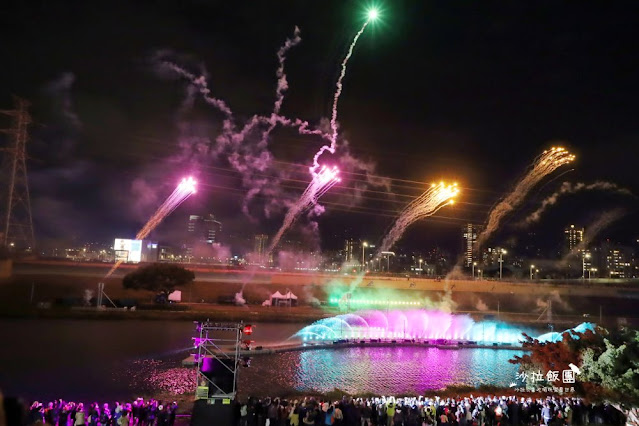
614 371
560 354
162 278
608 360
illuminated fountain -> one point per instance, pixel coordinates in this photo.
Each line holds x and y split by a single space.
419 325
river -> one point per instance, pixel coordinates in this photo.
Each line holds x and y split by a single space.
108 360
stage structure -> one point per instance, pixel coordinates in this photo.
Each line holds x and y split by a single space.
218 359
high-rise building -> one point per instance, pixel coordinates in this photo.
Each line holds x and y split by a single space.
616 260
202 230
348 250
469 233
260 248
573 236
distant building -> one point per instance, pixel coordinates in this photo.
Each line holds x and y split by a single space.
135 251
573 237
260 248
349 247
491 256
469 234
439 261
617 260
202 230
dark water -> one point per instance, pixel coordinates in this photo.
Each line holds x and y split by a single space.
109 360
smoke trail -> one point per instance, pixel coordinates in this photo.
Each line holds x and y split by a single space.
253 159
590 232
282 83
367 169
545 164
445 303
570 188
246 148
60 92
333 137
427 204
601 223
481 305
318 186
555 299
230 133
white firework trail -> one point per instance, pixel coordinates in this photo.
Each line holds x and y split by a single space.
338 91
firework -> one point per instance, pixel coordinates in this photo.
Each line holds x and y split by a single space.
322 181
186 188
545 164
427 204
323 178
372 15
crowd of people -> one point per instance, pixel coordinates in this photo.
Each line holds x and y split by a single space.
383 411
420 411
137 413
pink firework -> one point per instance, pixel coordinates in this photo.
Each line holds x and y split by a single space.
186 188
188 185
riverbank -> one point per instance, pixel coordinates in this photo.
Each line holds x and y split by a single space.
251 314
199 312
522 302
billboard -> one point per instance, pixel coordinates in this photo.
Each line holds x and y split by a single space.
133 248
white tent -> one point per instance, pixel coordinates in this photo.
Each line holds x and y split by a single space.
279 299
269 302
175 296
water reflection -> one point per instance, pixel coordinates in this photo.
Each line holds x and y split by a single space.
390 370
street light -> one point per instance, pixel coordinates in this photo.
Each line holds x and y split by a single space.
591 270
531 271
420 266
501 260
388 255
364 245
584 256
473 269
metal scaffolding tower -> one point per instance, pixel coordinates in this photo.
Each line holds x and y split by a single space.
218 359
17 224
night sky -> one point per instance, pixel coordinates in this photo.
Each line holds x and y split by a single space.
468 91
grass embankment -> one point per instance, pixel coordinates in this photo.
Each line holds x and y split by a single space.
41 296
23 293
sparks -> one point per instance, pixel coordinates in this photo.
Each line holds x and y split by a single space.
549 161
186 188
427 204
322 181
